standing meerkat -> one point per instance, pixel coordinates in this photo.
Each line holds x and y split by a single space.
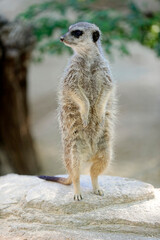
86 108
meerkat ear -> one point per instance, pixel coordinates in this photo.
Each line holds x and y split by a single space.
95 36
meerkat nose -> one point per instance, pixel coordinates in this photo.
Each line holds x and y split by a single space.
61 39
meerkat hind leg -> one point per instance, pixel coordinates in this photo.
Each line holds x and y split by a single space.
76 184
98 166
76 175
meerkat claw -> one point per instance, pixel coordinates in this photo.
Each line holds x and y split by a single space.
78 197
99 192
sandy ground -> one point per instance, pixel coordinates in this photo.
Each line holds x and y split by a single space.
137 142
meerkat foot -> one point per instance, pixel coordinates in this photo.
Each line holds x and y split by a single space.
98 192
78 197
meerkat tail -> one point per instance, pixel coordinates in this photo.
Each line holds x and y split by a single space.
65 181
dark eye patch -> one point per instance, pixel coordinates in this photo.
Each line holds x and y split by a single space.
77 33
95 36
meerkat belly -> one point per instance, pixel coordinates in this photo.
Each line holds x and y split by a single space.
85 167
91 89
86 153
72 125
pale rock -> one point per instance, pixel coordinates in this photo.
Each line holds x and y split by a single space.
31 208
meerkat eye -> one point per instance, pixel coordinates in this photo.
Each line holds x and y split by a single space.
95 36
77 33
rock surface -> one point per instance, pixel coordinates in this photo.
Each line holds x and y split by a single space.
31 208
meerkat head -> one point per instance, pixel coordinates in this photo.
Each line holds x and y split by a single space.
81 36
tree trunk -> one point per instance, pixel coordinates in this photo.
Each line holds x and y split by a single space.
16 144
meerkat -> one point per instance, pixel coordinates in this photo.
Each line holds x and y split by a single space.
86 108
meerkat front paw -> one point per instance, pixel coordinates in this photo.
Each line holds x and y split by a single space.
102 121
98 192
78 197
85 120
100 116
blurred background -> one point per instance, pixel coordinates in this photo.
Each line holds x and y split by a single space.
32 60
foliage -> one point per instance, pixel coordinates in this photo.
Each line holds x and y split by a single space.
52 19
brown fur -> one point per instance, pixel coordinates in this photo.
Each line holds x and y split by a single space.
86 109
